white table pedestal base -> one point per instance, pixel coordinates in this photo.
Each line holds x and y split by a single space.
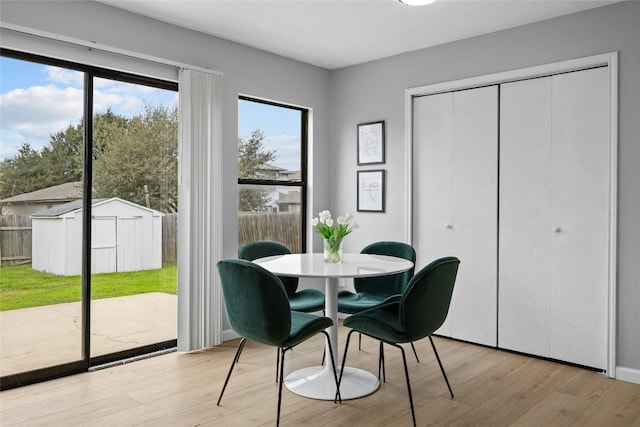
317 382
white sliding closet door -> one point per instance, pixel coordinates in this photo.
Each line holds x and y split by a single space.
525 216
554 207
580 204
455 202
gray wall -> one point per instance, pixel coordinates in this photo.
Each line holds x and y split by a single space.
375 91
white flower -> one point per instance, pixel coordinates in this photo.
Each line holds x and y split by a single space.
314 222
324 216
329 222
342 220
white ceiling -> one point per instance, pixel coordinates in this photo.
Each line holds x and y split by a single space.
338 33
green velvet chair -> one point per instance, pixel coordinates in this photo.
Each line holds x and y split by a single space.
305 300
420 311
258 309
373 291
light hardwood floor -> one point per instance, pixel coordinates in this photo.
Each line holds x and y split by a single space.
492 388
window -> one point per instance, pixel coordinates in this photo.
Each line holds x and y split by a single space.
272 141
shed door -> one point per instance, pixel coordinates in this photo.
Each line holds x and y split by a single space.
103 245
130 243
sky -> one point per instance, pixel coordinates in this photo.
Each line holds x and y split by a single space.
38 100
281 127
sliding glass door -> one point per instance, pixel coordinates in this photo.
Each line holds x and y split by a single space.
88 230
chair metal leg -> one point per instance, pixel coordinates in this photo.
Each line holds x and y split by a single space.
323 355
406 374
441 367
338 397
280 381
381 366
360 342
415 352
277 363
344 358
235 360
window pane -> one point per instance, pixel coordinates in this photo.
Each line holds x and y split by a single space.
280 220
41 239
269 139
134 216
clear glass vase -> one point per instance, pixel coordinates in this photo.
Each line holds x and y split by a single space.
333 252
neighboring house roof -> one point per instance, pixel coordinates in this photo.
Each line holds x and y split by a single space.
268 167
57 193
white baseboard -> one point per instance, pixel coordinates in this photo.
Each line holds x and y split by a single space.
628 374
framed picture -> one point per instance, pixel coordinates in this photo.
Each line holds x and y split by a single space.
371 143
371 191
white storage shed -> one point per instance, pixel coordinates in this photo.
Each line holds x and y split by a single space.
124 237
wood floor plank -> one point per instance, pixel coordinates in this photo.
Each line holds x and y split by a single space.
556 409
621 402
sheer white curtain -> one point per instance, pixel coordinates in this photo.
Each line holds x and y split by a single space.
200 308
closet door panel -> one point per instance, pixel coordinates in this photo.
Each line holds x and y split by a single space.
473 313
432 172
525 216
580 200
433 207
455 202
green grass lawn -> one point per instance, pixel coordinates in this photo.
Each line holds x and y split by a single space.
22 287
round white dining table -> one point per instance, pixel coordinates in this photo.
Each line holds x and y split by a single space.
317 381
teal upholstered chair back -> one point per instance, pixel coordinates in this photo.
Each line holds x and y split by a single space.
425 302
385 286
256 301
264 248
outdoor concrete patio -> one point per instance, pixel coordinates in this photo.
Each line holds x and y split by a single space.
39 337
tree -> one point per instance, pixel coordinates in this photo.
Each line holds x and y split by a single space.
251 156
22 173
139 161
62 160
134 158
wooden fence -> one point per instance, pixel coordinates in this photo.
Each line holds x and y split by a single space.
281 227
15 234
15 239
170 238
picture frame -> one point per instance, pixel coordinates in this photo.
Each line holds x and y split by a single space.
371 190
371 143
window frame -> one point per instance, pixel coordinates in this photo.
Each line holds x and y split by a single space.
302 184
